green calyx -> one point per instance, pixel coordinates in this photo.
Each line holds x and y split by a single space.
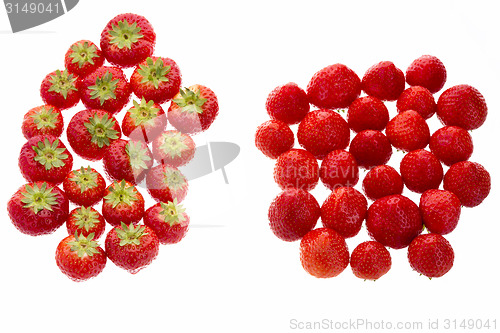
137 155
174 179
38 198
120 192
173 144
86 218
62 83
172 212
85 178
190 101
45 117
125 34
101 130
144 113
104 88
84 245
83 53
154 72
48 155
130 234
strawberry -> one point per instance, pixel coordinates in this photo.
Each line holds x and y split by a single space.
156 79
384 81
431 255
367 113
43 120
80 257
174 148
122 203
462 106
335 86
127 40
451 144
469 181
131 247
370 260
84 187
168 220
38 208
370 148
82 58
418 99
381 181
339 168
85 221
322 131
344 211
408 131
193 109
421 171
59 89
273 138
144 121
90 132
296 168
426 71
106 89
287 103
166 183
440 211
292 214
45 157
323 253
394 221
127 160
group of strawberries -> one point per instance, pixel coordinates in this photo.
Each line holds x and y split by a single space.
41 206
392 220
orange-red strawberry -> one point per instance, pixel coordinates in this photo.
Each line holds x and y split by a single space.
122 203
426 71
42 120
469 181
384 81
381 181
367 113
85 221
370 148
144 121
418 99
59 89
287 103
174 148
166 183
462 106
451 144
168 220
408 131
339 168
421 171
296 168
431 255
440 211
370 260
82 58
127 160
273 138
84 187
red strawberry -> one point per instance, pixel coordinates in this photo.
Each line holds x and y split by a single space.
193 109
431 255
322 131
370 260
127 40
418 99
440 211
59 89
296 168
82 58
38 208
367 113
344 211
451 144
394 221
287 103
384 81
166 183
90 132
122 203
339 168
127 160
144 121
381 181
174 148
156 79
85 221
106 89
43 120
462 106
370 148
408 131
421 171
323 253
168 220
292 214
131 247
273 138
45 157
427 71
469 181
84 187
80 257
335 86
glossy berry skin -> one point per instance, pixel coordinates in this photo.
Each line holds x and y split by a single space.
144 121
128 160
344 211
292 214
381 181
174 148
451 144
168 232
323 253
394 221
462 106
122 203
322 131
469 181
408 131
296 168
82 58
59 89
440 211
43 120
84 187
370 260
85 221
273 138
431 255
418 99
370 148
367 113
287 103
426 71
384 81
166 183
338 169
421 171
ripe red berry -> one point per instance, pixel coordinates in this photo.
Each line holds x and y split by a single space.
273 138
381 181
367 113
469 181
297 168
287 103
370 260
84 187
370 148
421 171
144 121
451 144
384 81
82 58
85 221
59 89
431 255
174 148
427 71
408 131
418 99
168 220
462 106
440 211
43 120
166 183
339 168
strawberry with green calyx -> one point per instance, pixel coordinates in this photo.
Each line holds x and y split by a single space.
122 203
82 58
166 183
144 121
85 186
38 208
168 220
127 160
85 221
59 89
174 148
43 120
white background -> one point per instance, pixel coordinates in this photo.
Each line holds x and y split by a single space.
231 274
